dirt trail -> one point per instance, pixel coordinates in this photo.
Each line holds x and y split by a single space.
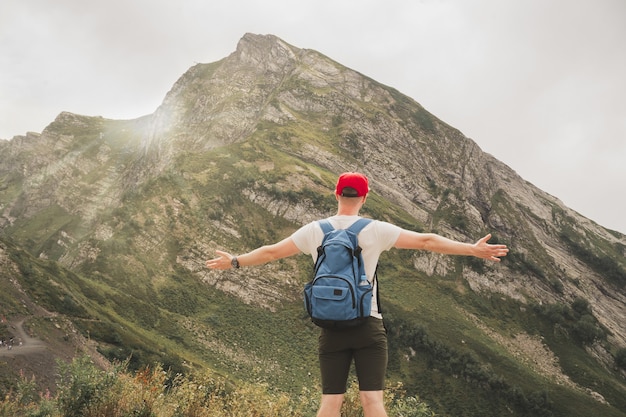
28 345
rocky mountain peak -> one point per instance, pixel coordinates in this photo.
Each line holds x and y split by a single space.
220 103
265 52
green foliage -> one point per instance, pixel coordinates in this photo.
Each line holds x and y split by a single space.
451 212
525 264
620 358
407 109
606 266
179 299
600 257
576 320
82 387
468 367
412 407
38 274
87 391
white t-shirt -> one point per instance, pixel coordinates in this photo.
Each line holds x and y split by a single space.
374 239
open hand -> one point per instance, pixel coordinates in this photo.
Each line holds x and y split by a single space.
223 261
487 251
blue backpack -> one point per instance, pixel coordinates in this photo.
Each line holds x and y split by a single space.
339 294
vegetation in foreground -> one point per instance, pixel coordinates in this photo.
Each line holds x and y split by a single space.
86 391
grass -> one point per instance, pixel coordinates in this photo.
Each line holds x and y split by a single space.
86 391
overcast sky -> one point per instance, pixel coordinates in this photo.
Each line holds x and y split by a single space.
539 84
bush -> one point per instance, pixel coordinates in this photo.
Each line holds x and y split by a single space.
586 330
87 391
82 387
620 358
581 306
577 320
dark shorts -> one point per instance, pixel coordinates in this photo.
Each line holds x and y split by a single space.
366 344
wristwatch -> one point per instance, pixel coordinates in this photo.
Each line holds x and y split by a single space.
234 262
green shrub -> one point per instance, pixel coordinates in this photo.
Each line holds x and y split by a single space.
620 358
576 320
87 391
586 330
82 386
581 306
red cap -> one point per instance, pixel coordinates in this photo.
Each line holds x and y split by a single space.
355 181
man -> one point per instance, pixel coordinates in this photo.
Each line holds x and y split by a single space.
365 344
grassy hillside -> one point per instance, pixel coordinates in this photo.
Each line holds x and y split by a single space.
106 227
148 309
437 351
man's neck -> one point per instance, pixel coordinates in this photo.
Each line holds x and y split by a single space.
349 208
341 212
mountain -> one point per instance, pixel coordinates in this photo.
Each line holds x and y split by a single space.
106 225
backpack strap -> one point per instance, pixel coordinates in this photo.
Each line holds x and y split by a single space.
358 225
326 226
380 310
355 227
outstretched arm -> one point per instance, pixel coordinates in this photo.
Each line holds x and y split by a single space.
436 243
264 254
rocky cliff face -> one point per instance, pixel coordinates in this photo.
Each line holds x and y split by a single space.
416 161
298 118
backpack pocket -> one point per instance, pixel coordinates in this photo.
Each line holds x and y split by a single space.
331 299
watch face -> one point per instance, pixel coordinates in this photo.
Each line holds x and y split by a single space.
235 263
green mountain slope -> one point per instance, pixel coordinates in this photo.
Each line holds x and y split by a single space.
107 224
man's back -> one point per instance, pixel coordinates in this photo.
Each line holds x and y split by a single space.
374 239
